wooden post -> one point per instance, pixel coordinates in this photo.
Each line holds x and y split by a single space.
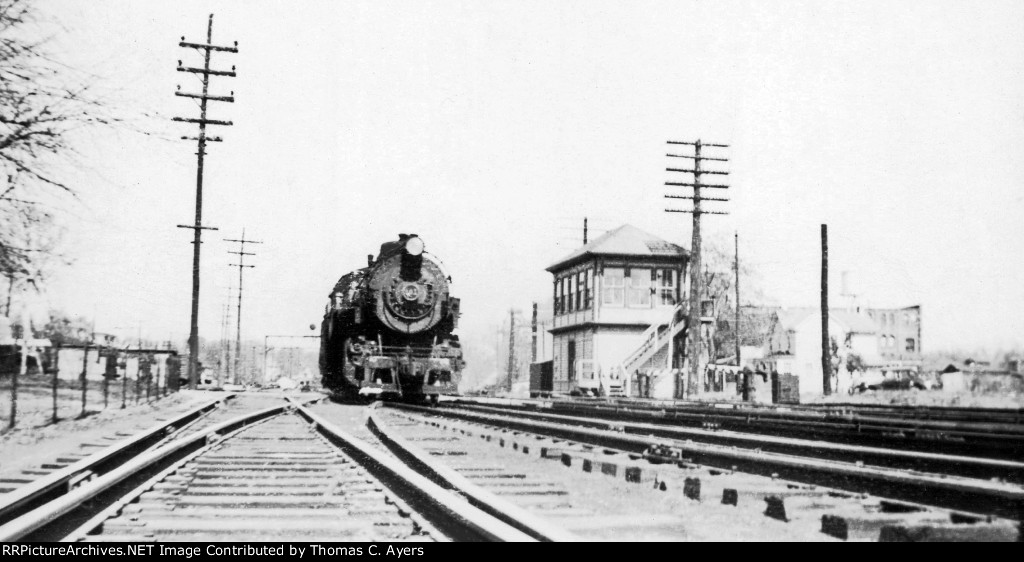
826 355
14 392
693 382
138 377
511 346
533 334
736 328
124 380
85 369
56 375
106 389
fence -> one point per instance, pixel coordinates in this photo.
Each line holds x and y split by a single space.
55 388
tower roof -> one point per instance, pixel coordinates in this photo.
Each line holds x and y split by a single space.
626 240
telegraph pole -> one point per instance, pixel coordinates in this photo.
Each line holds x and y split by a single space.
736 267
693 319
225 336
206 49
238 316
826 355
533 335
511 346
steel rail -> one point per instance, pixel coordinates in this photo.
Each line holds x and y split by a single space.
449 512
894 458
109 487
62 481
83 530
802 415
971 415
972 495
448 477
993 439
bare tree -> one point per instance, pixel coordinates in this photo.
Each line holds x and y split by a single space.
42 102
719 296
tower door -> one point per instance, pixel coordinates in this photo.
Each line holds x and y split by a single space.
571 353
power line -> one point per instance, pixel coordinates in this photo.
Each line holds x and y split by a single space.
697 171
202 138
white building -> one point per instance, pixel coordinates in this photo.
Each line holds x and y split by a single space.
794 345
607 296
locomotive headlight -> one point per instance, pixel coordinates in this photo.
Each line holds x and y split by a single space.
410 292
414 246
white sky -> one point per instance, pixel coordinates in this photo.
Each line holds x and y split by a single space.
492 128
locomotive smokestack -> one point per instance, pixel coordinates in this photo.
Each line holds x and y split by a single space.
412 258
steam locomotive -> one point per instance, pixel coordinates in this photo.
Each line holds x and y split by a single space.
388 328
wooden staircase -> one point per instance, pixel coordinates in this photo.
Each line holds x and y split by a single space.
655 338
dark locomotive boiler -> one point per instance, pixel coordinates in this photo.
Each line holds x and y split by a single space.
388 328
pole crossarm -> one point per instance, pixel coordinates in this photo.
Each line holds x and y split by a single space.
695 158
228 99
716 172
702 144
197 227
202 121
189 45
702 198
206 139
692 212
208 72
684 184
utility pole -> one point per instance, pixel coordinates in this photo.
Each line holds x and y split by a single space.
10 291
225 336
693 319
736 281
826 355
533 334
238 316
206 49
511 346
222 362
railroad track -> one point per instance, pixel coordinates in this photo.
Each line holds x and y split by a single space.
912 503
909 412
280 473
289 472
72 469
995 437
959 465
555 501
